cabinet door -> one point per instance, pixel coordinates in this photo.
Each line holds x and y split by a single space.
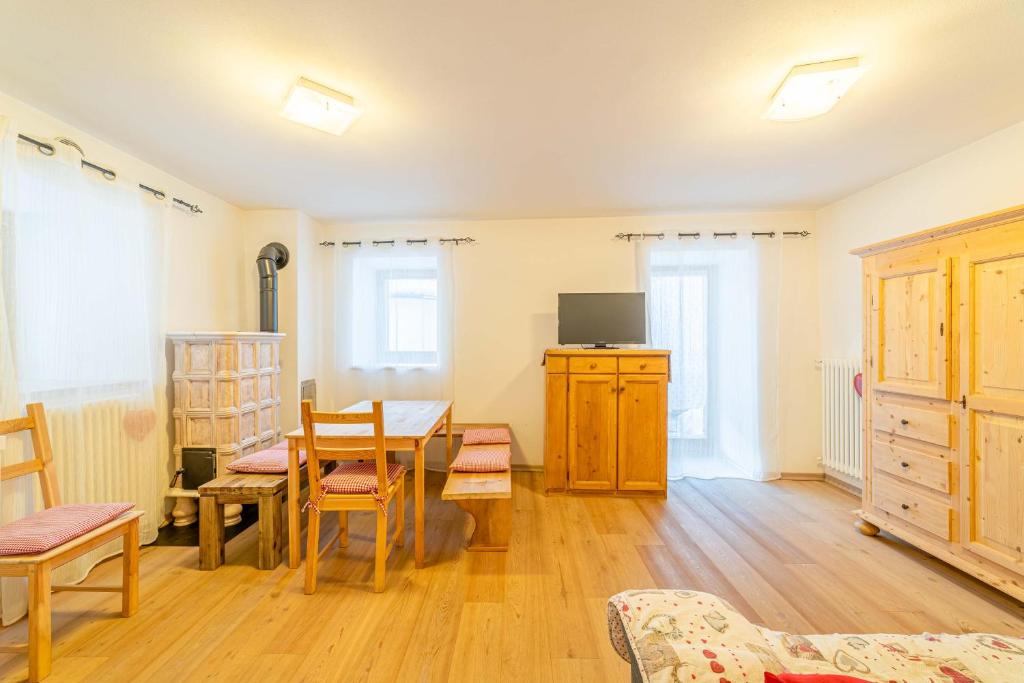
992 424
909 330
643 427
592 418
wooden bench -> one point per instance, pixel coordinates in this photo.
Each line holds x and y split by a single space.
266 490
487 497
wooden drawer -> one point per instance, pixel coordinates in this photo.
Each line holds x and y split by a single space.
924 420
657 365
592 364
912 461
556 364
915 508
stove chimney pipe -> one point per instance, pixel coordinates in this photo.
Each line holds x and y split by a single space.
272 258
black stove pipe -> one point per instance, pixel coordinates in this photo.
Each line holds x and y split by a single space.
272 258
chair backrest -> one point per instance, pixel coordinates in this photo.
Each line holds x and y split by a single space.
42 452
316 452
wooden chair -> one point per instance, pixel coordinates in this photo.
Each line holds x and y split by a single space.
351 486
38 567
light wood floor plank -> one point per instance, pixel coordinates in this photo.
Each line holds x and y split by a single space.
783 553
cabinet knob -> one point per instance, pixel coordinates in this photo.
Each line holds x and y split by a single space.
621 389
643 366
593 365
904 506
904 422
614 389
904 465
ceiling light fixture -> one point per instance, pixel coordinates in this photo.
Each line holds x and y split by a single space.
317 106
813 89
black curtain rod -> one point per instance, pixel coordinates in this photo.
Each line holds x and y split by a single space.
390 243
46 149
634 236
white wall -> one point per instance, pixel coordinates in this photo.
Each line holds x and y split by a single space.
979 178
506 305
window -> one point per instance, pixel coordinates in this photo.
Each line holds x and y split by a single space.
409 320
395 310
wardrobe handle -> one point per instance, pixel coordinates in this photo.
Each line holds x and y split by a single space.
904 465
904 422
593 365
904 506
643 366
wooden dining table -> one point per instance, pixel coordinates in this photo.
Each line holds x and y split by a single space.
408 425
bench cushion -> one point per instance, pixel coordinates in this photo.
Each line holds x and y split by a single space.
483 458
478 435
272 460
55 526
358 477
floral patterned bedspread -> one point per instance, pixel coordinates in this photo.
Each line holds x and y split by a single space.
689 636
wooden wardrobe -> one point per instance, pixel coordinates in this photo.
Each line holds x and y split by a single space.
944 394
606 420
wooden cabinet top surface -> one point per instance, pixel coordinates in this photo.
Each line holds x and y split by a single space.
607 352
1014 213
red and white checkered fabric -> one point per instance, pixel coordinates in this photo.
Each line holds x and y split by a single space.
268 461
55 526
478 435
358 477
355 477
483 458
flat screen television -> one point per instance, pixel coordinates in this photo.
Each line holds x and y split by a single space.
601 320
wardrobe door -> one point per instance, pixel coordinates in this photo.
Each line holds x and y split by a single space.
909 337
593 402
992 381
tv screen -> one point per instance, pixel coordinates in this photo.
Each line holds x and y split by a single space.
602 319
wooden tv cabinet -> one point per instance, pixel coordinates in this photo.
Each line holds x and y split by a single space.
606 421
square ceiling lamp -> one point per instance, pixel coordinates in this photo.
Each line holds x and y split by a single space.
811 90
320 107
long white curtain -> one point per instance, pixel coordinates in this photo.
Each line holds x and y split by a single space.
394 322
714 303
80 332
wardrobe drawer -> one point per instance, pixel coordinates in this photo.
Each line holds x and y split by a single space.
593 365
915 508
918 420
912 461
633 365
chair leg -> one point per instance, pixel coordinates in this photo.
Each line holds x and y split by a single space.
342 528
39 622
312 550
400 514
211 533
380 557
130 570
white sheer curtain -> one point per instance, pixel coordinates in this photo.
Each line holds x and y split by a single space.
394 322
714 303
80 332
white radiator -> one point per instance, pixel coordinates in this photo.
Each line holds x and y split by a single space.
842 448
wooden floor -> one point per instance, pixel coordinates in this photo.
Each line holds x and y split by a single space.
783 553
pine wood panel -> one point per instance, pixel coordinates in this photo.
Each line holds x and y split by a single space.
912 325
993 288
642 447
780 552
556 425
593 414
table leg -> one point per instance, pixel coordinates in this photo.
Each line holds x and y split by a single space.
419 496
294 513
448 437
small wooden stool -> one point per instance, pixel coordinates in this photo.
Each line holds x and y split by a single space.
266 490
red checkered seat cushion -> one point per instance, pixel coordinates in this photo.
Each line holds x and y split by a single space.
478 435
483 458
358 477
271 460
55 526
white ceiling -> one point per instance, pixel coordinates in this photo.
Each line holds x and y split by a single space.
533 108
